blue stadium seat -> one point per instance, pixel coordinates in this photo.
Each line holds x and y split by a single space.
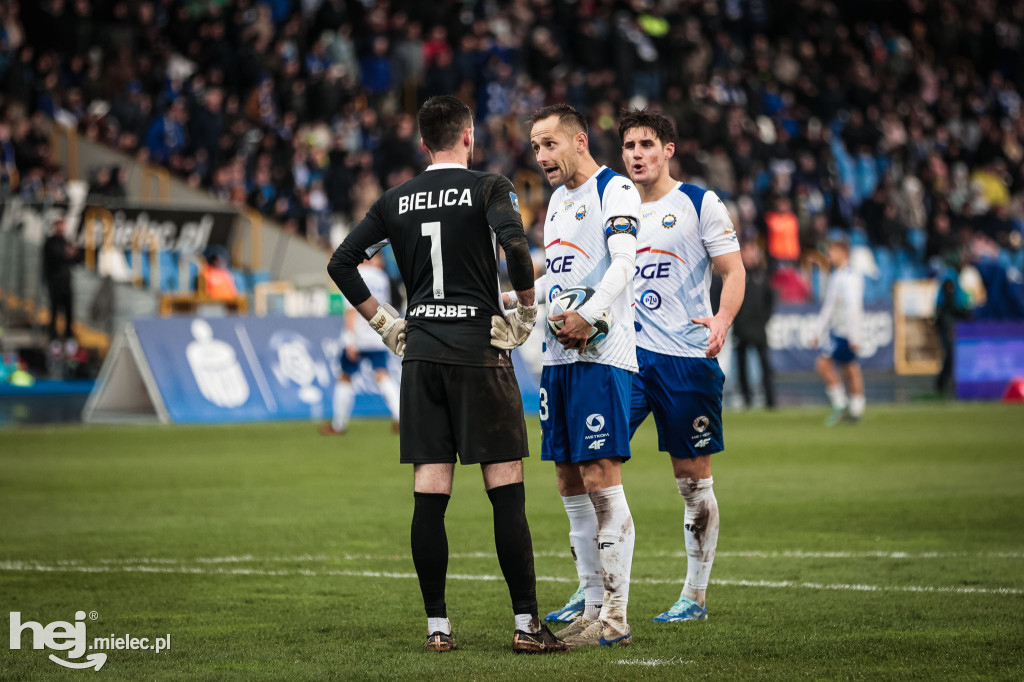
168 271
240 281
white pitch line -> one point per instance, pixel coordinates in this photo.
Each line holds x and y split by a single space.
655 662
31 566
752 554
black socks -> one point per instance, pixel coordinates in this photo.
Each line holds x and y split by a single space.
430 550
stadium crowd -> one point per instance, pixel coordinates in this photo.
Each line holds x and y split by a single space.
898 121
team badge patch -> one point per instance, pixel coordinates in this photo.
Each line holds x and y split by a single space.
668 222
581 212
515 202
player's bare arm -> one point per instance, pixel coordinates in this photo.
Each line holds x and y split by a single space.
734 277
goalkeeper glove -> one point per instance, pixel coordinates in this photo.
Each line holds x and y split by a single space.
512 331
390 327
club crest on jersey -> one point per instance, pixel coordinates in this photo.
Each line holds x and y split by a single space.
668 222
581 212
515 202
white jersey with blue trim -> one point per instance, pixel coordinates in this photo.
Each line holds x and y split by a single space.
377 282
843 307
679 235
576 253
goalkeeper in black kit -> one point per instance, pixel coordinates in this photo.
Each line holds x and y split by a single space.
459 394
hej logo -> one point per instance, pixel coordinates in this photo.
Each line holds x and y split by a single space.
60 636
70 637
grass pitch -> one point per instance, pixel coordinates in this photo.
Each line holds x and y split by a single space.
892 549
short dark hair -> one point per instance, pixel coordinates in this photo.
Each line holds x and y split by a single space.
570 119
442 120
656 121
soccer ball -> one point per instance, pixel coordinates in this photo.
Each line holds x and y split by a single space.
572 299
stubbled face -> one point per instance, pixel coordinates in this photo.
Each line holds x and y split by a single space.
555 150
644 156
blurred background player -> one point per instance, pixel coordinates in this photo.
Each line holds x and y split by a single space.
749 329
363 345
684 231
459 392
839 327
590 239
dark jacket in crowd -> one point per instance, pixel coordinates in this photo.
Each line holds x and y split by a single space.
758 304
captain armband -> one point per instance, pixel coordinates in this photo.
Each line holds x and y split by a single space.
622 224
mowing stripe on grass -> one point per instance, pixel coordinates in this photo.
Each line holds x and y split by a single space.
33 566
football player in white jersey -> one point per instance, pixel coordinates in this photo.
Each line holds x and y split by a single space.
363 345
684 232
838 329
590 241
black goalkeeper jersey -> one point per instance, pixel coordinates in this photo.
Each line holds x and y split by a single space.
445 226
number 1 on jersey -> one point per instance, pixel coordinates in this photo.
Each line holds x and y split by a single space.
433 230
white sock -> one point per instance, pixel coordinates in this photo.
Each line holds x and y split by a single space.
583 541
593 611
527 622
837 396
857 405
700 533
389 389
439 625
344 399
615 540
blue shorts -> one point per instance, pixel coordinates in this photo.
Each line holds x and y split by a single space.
838 348
584 412
378 359
685 395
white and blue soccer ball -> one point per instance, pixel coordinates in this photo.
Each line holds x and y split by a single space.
572 299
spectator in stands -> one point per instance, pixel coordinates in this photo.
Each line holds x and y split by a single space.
218 282
749 326
58 257
166 136
844 109
950 306
782 232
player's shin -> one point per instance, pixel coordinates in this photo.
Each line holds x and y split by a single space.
700 533
583 542
389 389
615 539
430 555
344 399
515 552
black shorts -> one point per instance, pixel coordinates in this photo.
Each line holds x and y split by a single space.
476 412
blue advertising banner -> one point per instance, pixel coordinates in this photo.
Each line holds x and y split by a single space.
793 329
987 356
236 369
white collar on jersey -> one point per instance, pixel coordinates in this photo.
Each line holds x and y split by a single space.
442 166
596 173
